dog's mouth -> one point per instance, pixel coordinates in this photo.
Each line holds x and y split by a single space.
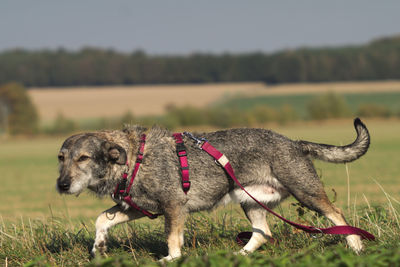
66 187
68 191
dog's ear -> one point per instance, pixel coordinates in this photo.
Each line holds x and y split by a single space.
114 153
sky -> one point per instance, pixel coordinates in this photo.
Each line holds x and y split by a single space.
186 26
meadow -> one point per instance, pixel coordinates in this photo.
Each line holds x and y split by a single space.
38 227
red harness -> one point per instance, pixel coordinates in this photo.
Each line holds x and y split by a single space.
123 193
181 152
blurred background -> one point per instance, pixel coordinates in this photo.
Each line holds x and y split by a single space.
304 68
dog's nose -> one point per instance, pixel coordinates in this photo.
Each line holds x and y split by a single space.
63 185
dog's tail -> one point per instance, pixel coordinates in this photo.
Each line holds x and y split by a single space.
340 154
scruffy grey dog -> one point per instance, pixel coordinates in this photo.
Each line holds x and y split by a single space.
269 165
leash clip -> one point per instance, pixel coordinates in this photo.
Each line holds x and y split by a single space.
315 235
199 141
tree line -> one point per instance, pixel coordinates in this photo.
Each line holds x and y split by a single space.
379 59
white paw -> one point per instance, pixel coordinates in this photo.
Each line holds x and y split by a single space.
355 243
99 248
168 258
242 252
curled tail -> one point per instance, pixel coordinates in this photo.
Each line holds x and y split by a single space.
340 154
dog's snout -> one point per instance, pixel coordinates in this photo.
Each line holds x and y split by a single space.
63 185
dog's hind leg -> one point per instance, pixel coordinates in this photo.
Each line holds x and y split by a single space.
174 229
337 217
326 208
261 231
108 219
304 184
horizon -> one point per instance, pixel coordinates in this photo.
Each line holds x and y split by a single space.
139 50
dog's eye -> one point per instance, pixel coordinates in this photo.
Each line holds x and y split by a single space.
83 158
60 157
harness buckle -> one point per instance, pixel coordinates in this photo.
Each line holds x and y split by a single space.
119 196
185 186
139 159
181 150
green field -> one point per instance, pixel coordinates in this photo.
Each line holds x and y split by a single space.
37 223
390 100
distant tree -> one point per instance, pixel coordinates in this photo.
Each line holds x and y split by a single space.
4 114
373 110
327 106
379 59
62 125
18 113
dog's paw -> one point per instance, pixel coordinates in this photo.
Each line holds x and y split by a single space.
93 253
354 241
99 249
242 252
168 258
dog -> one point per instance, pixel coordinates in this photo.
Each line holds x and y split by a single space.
269 165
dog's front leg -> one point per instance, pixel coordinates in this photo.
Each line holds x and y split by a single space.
174 229
108 219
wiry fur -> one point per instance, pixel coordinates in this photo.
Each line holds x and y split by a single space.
340 154
268 164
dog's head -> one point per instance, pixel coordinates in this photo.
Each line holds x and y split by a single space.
84 161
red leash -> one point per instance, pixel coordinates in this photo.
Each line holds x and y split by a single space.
335 230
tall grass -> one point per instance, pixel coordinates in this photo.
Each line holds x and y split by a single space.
209 241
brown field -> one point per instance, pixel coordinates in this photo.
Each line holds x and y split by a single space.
112 101
95 102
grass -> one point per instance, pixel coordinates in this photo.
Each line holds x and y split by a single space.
39 227
209 242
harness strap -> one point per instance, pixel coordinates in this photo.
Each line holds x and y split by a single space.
121 186
122 192
183 160
139 159
130 202
337 230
